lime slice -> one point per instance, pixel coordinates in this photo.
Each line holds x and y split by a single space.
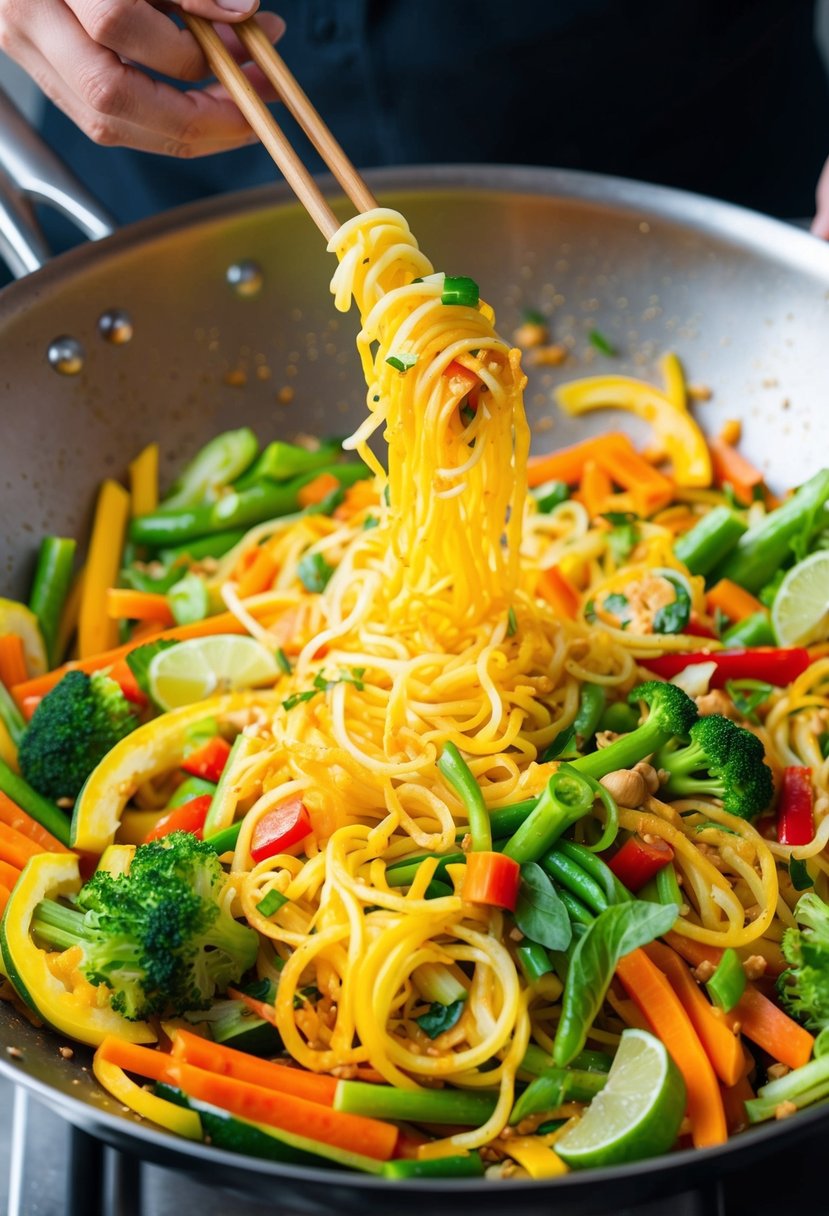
200 667
16 618
800 613
638 1112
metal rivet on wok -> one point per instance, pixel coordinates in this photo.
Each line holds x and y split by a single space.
66 355
115 326
246 278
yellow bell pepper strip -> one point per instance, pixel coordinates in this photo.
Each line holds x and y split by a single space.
117 859
50 875
96 631
536 1157
143 473
675 429
152 749
166 1114
673 374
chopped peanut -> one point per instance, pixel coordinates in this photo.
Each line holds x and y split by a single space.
627 787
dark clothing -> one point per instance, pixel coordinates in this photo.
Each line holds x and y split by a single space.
725 97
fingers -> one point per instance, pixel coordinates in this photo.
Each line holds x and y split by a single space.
219 10
820 224
114 102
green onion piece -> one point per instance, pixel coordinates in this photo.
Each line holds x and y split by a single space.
469 1108
460 290
271 902
189 599
512 623
533 960
550 495
50 588
602 344
225 840
401 363
436 984
728 983
459 775
283 662
10 715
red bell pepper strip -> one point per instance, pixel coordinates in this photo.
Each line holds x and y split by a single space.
698 629
492 879
638 860
189 817
795 822
208 761
280 829
775 666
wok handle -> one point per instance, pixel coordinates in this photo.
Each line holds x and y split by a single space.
31 172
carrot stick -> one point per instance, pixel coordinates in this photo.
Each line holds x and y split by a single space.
8 874
143 473
721 1045
222 622
12 660
318 489
96 631
124 604
357 497
651 490
215 1057
15 817
734 1098
355 1133
693 952
261 1008
559 592
145 1061
595 488
15 848
732 599
649 988
567 464
258 574
760 1020
733 468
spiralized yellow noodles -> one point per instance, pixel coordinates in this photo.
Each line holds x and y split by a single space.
430 631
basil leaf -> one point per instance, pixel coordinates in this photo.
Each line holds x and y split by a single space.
539 913
563 744
314 572
440 1018
799 874
614 933
139 660
674 617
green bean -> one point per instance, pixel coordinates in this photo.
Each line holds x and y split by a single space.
533 960
459 775
53 576
466 1107
216 545
578 913
281 461
668 890
237 509
709 541
507 819
753 630
570 875
591 707
404 872
601 873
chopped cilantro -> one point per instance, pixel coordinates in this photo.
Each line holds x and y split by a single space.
602 344
512 622
314 572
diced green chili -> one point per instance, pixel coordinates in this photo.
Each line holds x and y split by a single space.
728 983
459 289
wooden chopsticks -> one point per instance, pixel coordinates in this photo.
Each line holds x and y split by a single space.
230 74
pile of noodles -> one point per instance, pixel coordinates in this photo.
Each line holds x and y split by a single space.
429 631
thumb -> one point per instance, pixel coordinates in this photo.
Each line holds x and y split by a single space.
219 10
820 224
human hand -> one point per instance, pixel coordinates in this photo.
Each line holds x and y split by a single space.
820 224
88 56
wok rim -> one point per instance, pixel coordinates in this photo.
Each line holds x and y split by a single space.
741 227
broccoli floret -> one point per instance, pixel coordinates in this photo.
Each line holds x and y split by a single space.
672 713
804 988
158 937
71 731
722 761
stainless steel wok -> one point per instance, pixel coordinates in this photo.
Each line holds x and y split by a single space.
219 313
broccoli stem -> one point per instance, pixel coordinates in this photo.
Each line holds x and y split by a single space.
765 547
626 751
243 508
709 541
53 924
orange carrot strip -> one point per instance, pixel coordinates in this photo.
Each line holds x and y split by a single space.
261 1008
8 874
228 1062
126 605
693 952
595 488
15 817
649 988
355 1133
12 660
357 497
651 490
145 1061
559 592
259 574
567 464
318 489
223 622
722 1046
15 848
734 1098
760 1020
731 467
732 599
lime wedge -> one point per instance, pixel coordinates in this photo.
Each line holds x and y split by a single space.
638 1112
800 613
200 667
16 618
